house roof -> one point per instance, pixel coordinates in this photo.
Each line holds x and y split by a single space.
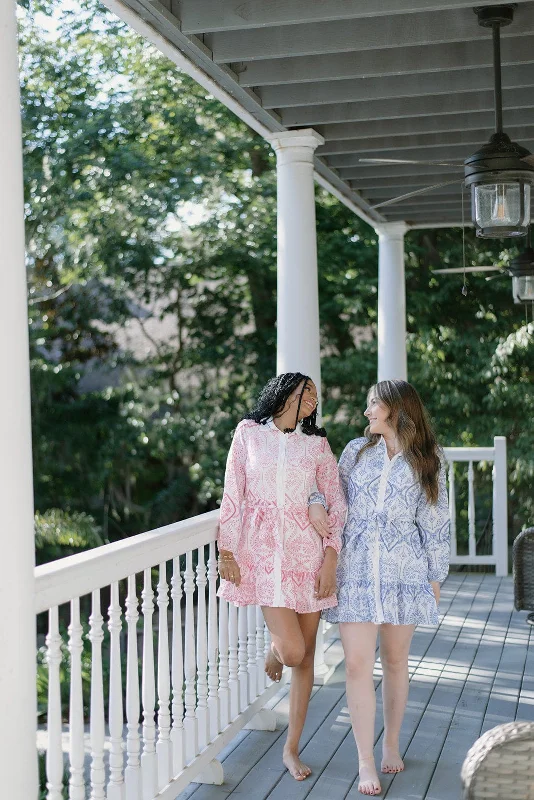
410 79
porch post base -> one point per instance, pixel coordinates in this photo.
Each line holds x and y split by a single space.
264 720
322 673
213 774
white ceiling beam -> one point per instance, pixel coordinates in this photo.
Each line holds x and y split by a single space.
399 30
453 104
424 142
406 126
378 63
198 16
422 84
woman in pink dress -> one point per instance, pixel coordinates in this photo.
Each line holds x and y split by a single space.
269 553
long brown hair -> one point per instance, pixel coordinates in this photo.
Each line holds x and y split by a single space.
409 418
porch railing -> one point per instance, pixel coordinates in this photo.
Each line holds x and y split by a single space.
476 463
186 671
165 674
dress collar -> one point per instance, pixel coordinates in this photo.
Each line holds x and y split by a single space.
270 424
386 456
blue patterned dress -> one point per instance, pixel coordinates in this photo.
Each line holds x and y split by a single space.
394 541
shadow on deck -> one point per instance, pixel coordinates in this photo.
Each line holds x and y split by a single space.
473 672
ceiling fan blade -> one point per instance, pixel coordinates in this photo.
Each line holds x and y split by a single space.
457 164
417 191
529 160
461 270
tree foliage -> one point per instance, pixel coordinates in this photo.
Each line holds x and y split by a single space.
150 218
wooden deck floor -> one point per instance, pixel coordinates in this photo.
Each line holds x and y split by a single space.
472 673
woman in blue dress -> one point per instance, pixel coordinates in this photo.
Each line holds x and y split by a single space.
395 554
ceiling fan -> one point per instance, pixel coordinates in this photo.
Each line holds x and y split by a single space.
520 268
500 172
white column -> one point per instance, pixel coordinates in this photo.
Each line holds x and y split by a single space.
18 766
298 347
391 302
298 344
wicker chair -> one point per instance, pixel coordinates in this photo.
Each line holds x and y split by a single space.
523 559
499 765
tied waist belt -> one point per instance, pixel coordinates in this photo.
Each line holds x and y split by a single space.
382 518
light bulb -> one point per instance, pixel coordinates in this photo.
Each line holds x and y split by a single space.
499 212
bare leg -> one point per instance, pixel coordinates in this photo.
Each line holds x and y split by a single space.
394 650
299 696
359 643
295 647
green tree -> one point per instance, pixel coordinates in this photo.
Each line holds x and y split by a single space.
150 207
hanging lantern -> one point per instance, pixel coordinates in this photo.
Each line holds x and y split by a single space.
500 181
521 268
501 172
523 289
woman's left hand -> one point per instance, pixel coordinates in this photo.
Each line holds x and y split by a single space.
436 587
325 581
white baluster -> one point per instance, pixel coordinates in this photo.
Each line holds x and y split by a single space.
132 774
452 510
163 747
76 731
267 651
148 693
252 667
202 654
213 651
190 718
54 753
97 722
260 650
224 692
471 510
115 710
177 733
242 658
233 680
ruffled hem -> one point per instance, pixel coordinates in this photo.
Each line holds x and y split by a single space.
297 594
402 604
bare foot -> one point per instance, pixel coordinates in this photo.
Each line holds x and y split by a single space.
273 666
292 762
368 783
391 760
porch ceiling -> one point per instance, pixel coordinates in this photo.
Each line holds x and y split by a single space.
394 79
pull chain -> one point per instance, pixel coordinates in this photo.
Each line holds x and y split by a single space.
464 287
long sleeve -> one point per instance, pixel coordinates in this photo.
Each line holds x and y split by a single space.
346 464
434 528
329 486
345 467
234 492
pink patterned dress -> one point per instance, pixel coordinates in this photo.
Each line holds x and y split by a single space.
264 516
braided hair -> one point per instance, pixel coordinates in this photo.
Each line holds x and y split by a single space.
273 398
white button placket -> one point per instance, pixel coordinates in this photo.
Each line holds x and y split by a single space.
280 502
386 469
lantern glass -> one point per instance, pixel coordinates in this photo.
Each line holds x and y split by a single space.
523 289
501 209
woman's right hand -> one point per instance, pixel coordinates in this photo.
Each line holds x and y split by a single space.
319 519
229 568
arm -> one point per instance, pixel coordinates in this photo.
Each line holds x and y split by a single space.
330 487
433 523
318 505
234 492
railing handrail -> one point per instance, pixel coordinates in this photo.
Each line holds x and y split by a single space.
74 576
469 453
